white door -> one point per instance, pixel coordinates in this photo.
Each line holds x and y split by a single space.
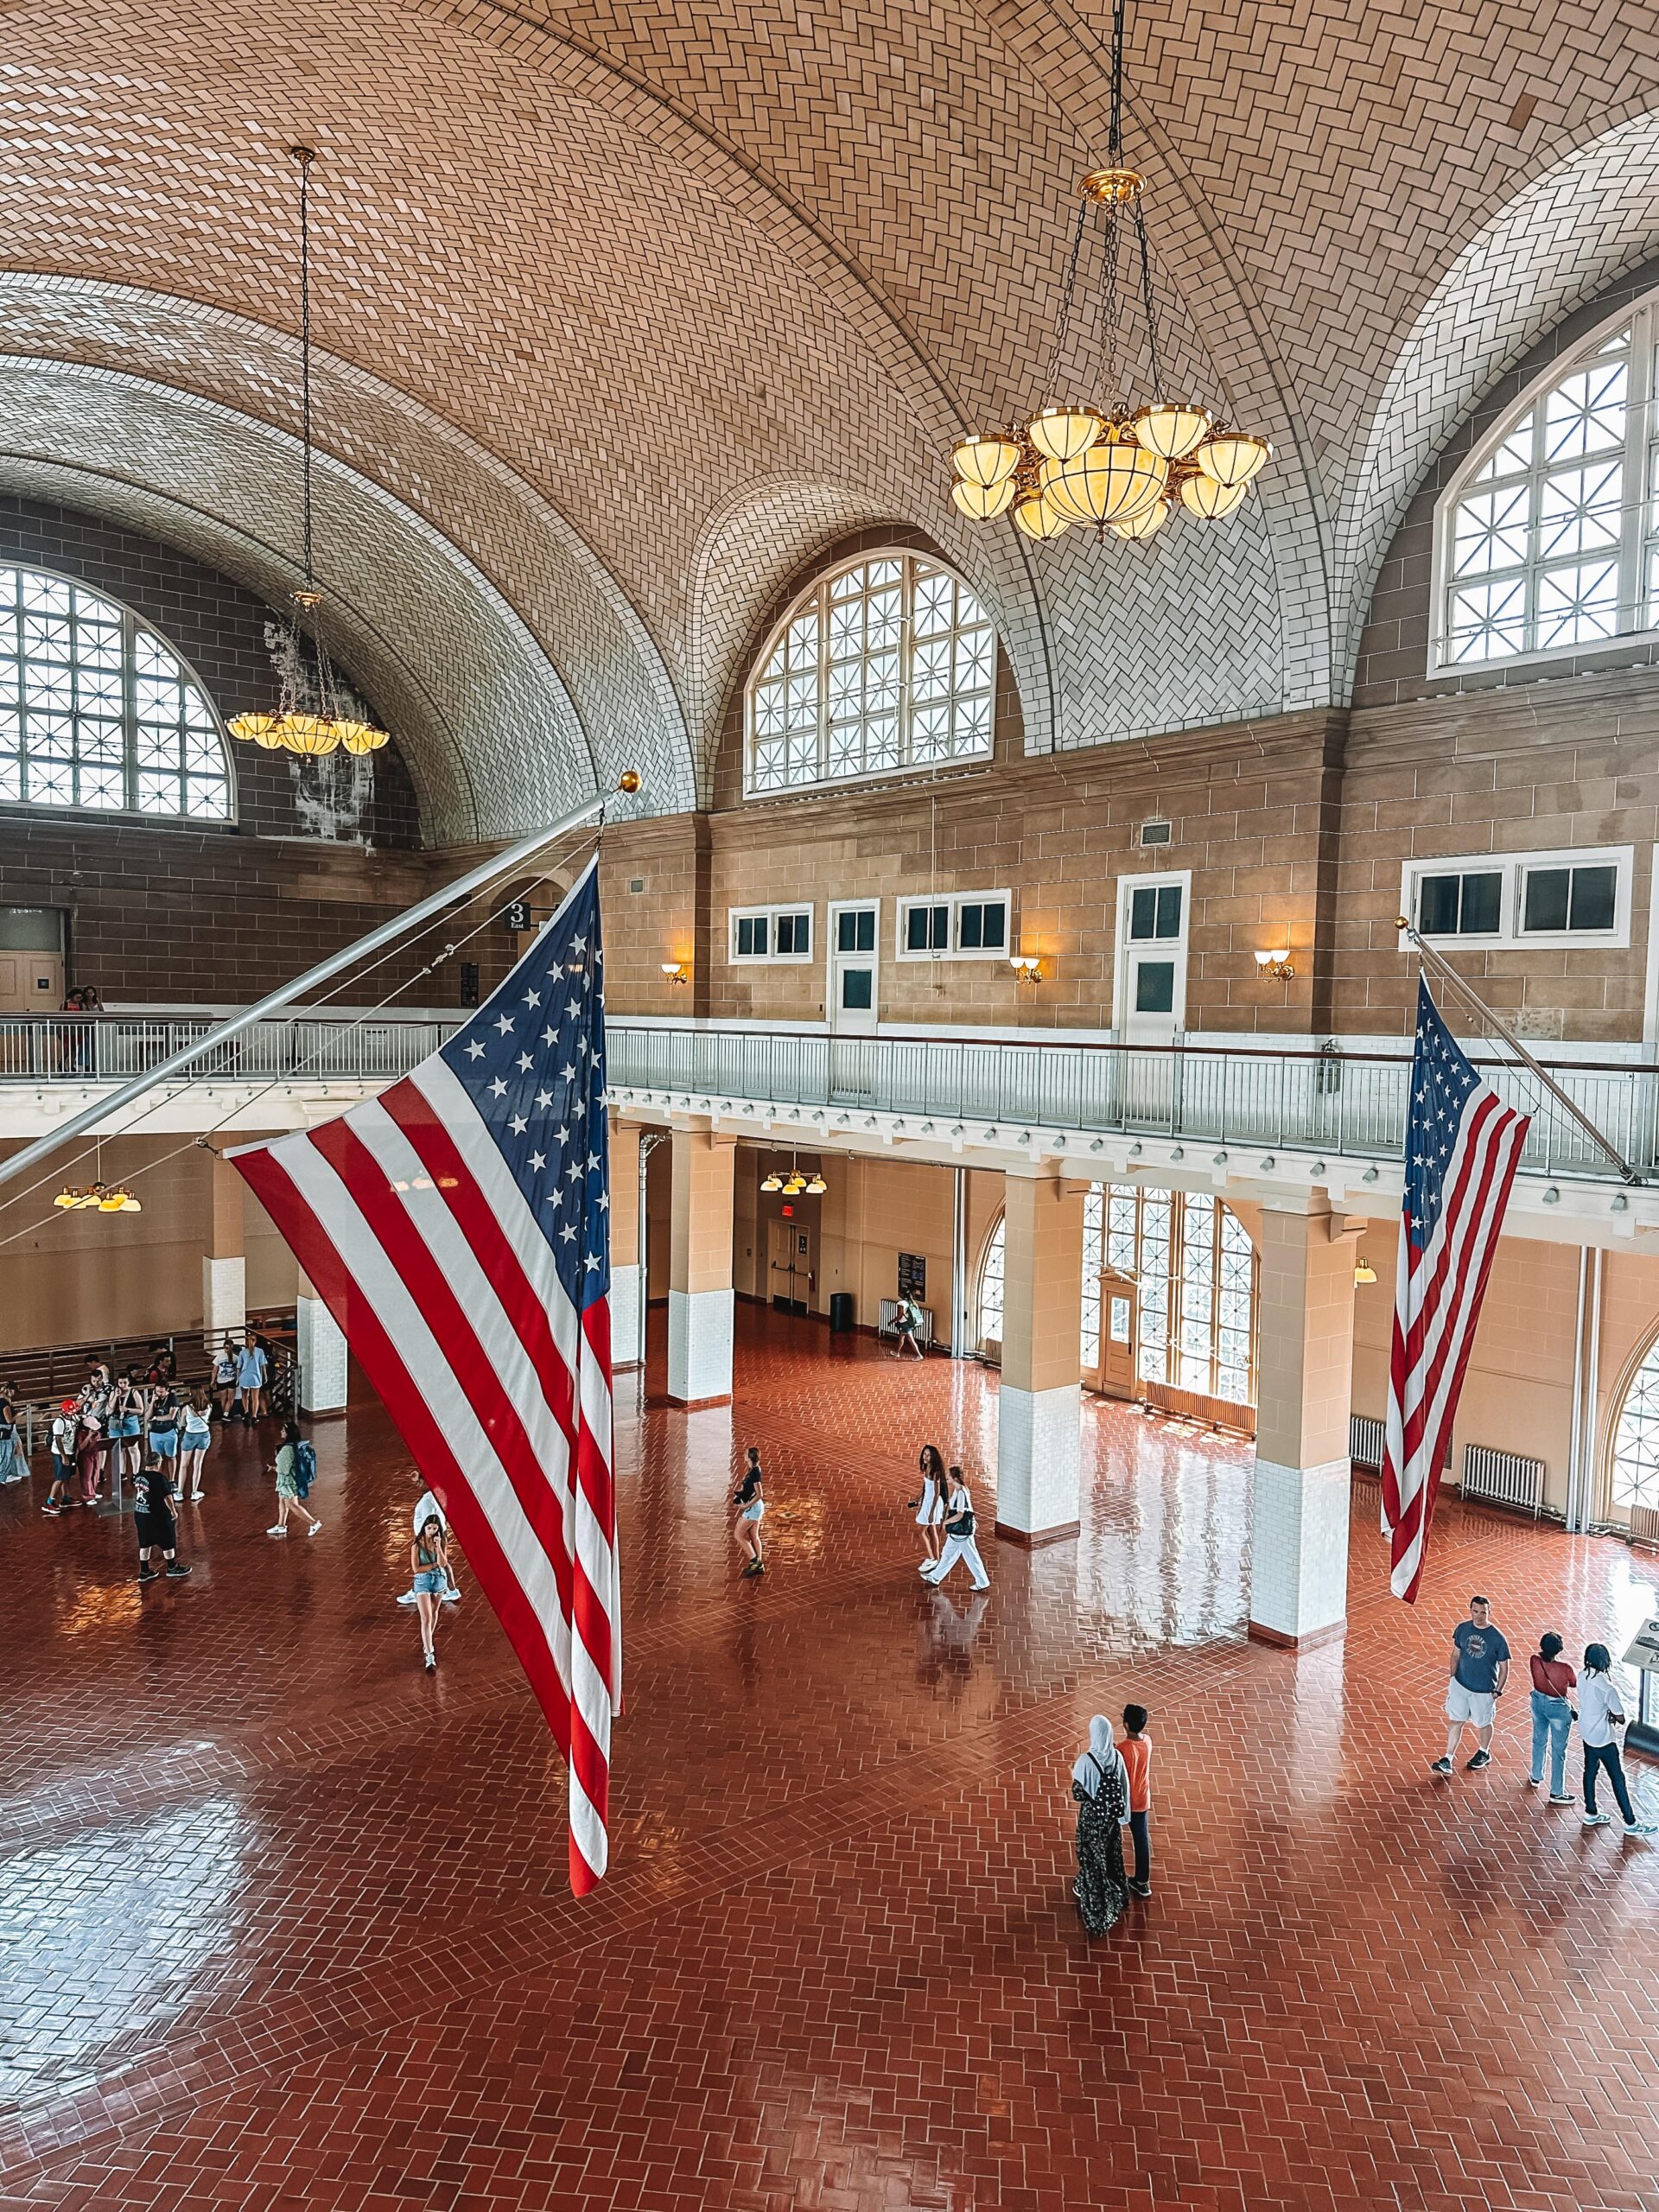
853 931
1152 958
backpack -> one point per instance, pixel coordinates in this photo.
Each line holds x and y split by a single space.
305 1466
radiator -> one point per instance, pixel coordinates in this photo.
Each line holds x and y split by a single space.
1644 1524
1503 1478
1365 1443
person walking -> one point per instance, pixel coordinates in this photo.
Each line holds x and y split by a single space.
751 1512
252 1367
157 1528
1135 1751
906 1321
66 1425
1552 1717
428 1556
1480 1668
1100 1784
959 1525
14 1467
930 1506
428 1509
196 1435
225 1377
296 1467
1599 1714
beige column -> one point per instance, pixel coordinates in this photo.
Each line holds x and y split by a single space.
1304 1361
224 1264
626 1289
320 1351
1040 1401
700 1270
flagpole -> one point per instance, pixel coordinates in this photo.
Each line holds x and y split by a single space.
1443 967
385 933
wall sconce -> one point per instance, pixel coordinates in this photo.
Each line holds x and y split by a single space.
674 971
1027 968
1278 963
1364 1271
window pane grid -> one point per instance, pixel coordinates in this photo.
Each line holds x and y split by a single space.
889 664
1554 543
98 712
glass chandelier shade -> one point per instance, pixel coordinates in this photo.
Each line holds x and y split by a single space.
1119 464
310 718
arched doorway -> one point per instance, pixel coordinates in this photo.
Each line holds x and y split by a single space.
1193 1264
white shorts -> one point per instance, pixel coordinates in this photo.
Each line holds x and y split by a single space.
1473 1705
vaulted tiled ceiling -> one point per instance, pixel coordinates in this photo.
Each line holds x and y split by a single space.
630 307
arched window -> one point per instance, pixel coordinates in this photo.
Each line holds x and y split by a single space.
97 711
885 664
1548 539
1195 1265
1635 1441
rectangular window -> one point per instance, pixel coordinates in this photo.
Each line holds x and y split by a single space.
1154 912
1567 898
1461 905
974 927
1154 987
855 932
771 933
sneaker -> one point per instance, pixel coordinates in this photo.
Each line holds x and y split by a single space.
149 1574
279 1530
407 1599
431 1662
1441 1766
316 1530
448 1596
1562 1799
1480 1759
1595 1820
197 1495
1141 1889
51 1510
177 1570
1535 1782
1642 1828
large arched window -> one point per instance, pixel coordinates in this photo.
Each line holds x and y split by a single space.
97 711
1194 1264
1548 539
887 662
1634 1472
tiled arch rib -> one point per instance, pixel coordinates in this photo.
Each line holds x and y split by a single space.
1559 244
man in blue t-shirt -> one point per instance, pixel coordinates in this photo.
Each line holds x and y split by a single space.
1480 1667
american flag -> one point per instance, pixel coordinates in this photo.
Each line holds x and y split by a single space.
1462 1148
457 1227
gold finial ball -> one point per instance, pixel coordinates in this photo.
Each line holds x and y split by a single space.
628 780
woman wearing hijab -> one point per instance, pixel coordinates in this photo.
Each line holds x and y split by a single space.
930 1506
1100 1784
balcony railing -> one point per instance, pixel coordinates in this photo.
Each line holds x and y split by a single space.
111 1048
1312 1101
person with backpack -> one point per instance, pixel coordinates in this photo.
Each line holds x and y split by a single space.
1100 1784
959 1525
296 1469
66 1427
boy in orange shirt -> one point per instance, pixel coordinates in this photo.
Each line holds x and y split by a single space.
1136 1747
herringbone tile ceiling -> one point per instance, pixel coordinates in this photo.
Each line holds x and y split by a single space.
629 307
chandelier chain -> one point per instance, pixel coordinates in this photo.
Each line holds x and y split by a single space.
1114 128
304 156
1068 288
1147 303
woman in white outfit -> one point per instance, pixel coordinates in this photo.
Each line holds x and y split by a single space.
959 1543
930 1506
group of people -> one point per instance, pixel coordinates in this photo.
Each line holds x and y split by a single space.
1478 1677
945 1514
1112 1785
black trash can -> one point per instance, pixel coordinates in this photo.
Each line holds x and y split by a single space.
840 1312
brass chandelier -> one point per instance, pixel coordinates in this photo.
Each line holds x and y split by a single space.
1121 466
311 717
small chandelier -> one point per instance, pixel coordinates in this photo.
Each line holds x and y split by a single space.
796 1183
98 1197
1123 467
300 724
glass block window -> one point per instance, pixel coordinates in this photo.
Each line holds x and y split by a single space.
1636 1440
1548 540
1194 1265
97 712
884 664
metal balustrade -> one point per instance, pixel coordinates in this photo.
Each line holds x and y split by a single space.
1258 1100
113 1048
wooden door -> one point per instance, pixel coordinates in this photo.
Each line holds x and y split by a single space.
1119 1312
31 982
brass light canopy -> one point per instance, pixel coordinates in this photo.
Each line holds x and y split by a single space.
310 725
1121 466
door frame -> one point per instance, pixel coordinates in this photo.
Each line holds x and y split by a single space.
836 909
1178 945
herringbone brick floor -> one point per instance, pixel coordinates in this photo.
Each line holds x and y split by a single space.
285 1922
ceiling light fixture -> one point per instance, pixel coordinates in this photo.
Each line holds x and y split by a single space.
1121 466
311 718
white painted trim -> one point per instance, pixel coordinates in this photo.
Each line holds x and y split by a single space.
1159 879
771 957
1514 868
833 913
955 901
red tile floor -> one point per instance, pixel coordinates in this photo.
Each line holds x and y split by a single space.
283 1924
